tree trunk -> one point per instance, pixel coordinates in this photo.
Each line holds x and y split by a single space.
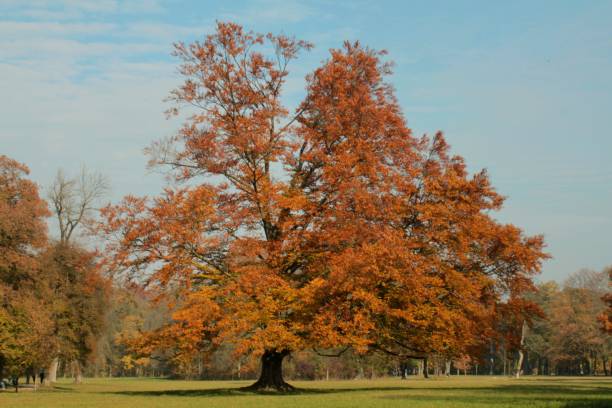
52 372
78 374
447 368
271 377
519 363
491 357
403 370
425 368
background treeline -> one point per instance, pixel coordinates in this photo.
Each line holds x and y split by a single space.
60 315
566 340
53 295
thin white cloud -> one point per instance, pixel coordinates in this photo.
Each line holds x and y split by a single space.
19 29
50 15
94 6
71 9
167 32
58 47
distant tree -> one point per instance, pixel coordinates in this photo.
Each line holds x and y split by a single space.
79 303
567 338
24 329
74 201
332 227
606 317
576 341
463 363
22 223
538 340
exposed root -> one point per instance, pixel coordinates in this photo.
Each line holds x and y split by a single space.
261 387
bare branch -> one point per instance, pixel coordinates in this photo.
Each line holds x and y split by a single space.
74 199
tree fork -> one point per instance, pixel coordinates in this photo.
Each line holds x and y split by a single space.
271 376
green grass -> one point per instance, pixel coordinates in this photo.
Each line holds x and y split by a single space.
436 392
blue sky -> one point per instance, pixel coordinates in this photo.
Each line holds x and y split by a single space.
522 88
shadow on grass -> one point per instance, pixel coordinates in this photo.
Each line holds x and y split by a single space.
572 389
216 392
57 388
588 404
571 396
510 400
212 392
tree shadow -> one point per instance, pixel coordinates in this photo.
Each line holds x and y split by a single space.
570 396
588 404
57 388
579 389
212 392
510 400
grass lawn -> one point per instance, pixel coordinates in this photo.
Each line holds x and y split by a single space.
436 392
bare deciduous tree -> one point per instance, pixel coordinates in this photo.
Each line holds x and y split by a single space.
74 199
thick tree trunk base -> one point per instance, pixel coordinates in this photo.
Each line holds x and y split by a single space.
271 377
267 387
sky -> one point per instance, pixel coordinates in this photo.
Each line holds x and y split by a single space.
521 88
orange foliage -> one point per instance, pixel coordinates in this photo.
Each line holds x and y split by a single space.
22 219
25 326
606 317
330 227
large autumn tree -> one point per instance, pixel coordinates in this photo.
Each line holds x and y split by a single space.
328 227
